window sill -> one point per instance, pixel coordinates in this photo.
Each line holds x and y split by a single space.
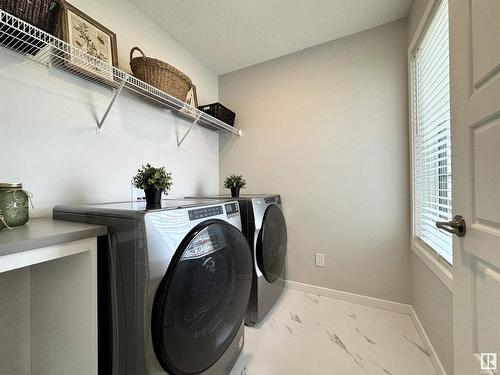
442 271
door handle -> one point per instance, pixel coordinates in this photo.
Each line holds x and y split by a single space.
456 226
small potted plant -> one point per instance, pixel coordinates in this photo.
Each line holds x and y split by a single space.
235 183
153 181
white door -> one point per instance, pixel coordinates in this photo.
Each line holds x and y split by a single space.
475 126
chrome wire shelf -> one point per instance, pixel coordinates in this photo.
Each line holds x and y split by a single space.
38 46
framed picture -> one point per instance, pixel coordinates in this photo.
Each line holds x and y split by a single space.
88 35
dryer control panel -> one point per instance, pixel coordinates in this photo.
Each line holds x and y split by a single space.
275 199
201 213
232 209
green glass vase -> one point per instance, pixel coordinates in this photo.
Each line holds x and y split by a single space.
14 205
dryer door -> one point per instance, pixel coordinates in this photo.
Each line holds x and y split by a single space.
271 244
201 302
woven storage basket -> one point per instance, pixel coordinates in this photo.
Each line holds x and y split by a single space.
44 14
160 75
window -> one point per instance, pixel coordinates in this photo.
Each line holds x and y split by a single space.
431 134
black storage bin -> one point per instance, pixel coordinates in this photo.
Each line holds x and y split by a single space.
220 112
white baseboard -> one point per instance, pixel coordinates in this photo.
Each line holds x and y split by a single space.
438 366
383 304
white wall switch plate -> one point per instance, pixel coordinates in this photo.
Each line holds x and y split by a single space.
320 260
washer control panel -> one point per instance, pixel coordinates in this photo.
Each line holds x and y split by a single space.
201 213
232 209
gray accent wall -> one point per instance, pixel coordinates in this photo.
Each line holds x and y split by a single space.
433 303
327 128
416 11
431 299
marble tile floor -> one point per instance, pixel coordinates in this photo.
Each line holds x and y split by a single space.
311 335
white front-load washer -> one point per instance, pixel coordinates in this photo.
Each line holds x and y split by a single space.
174 285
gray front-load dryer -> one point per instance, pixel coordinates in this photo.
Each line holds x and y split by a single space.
174 284
264 227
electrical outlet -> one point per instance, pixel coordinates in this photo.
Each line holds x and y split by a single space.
320 260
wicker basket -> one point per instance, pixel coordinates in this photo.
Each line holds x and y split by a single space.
44 14
160 75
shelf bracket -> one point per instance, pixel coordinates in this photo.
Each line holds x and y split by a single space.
191 127
115 95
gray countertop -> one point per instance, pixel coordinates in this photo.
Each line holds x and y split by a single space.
44 232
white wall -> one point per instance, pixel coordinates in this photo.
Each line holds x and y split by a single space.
48 136
327 128
431 299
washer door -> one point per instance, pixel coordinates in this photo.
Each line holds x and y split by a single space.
271 244
201 302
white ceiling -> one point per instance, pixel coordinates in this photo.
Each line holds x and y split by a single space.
232 34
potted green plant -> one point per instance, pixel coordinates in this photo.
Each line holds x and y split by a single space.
153 181
235 183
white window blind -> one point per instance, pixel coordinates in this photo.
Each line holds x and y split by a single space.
431 134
